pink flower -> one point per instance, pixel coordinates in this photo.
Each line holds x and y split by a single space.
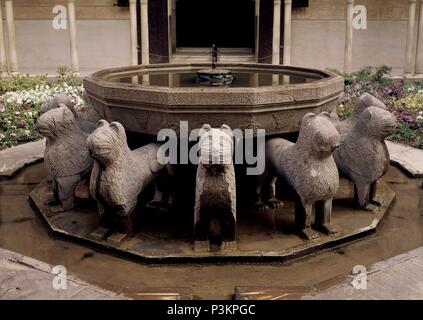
21 123
2 107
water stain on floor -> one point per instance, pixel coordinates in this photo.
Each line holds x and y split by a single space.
21 230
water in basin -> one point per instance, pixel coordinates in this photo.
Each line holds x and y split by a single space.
187 79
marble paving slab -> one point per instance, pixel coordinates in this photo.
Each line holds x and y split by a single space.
15 158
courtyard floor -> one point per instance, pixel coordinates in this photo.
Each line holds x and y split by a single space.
22 231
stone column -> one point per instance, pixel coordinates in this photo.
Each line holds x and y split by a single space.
257 28
11 33
3 59
145 51
287 33
419 58
349 37
169 29
134 39
174 25
409 55
72 36
276 42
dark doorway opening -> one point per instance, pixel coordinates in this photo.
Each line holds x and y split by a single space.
226 23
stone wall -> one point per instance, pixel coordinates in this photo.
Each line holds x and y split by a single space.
318 34
103 35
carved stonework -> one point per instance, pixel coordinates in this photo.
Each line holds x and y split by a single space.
66 155
118 177
215 195
171 123
251 123
363 156
212 120
142 119
283 119
62 99
365 101
309 168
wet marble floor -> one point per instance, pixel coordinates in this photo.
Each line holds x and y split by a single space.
22 231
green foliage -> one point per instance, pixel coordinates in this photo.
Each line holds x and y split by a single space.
21 82
21 98
65 75
406 134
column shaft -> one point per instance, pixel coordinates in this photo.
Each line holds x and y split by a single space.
409 55
257 29
3 59
11 33
145 51
419 57
349 37
134 39
72 36
276 42
287 33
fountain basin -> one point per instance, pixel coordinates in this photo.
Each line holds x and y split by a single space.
146 99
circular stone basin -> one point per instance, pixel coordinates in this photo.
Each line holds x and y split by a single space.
146 99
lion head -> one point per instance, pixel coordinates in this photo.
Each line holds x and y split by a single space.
319 133
377 122
57 122
216 145
365 101
108 142
56 101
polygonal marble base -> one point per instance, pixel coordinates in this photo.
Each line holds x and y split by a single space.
164 237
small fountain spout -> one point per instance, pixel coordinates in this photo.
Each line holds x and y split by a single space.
214 54
214 76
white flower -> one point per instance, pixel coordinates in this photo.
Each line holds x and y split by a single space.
13 134
27 133
17 113
419 118
2 136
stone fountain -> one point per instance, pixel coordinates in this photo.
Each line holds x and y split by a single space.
308 198
214 76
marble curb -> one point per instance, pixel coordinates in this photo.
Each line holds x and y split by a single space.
408 158
15 158
397 278
22 277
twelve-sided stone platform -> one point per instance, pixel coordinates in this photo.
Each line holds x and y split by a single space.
165 237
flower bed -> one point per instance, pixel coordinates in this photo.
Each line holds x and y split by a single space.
21 98
404 99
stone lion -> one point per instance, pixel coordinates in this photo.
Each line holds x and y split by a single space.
118 177
66 155
363 156
63 99
308 167
365 101
215 195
